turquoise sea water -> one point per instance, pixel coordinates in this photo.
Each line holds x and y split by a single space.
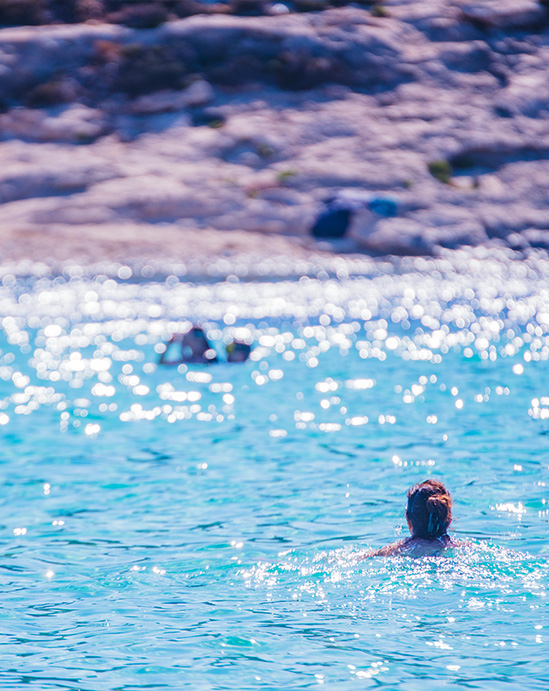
199 527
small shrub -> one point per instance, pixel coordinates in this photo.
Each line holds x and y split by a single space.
143 16
284 175
21 12
208 117
250 8
312 5
441 170
296 70
145 69
73 11
379 11
264 150
84 138
49 94
186 8
107 51
89 9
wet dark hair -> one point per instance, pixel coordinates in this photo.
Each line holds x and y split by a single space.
429 509
240 347
238 351
198 333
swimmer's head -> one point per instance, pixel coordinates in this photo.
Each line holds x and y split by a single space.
194 343
429 510
197 332
238 351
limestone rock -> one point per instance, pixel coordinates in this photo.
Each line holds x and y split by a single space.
527 94
507 14
468 233
199 93
250 123
363 223
401 236
74 124
536 238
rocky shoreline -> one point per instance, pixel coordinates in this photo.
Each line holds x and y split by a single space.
221 134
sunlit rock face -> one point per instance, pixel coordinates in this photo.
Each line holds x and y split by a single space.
247 123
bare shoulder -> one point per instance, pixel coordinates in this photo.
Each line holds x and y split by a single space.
394 549
417 547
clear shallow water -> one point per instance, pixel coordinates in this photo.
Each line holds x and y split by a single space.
200 528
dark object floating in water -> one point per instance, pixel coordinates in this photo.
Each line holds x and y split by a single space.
336 214
238 351
194 348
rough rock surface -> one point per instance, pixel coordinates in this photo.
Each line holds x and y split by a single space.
227 123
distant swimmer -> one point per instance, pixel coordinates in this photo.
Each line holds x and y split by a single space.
194 348
238 351
429 514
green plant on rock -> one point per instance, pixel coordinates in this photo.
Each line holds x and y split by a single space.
264 150
83 137
441 170
379 11
283 176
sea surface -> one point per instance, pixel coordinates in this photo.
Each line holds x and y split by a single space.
201 527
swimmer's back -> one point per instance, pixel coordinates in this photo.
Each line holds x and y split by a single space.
417 547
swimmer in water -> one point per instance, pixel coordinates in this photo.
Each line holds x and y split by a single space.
238 351
195 348
429 514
